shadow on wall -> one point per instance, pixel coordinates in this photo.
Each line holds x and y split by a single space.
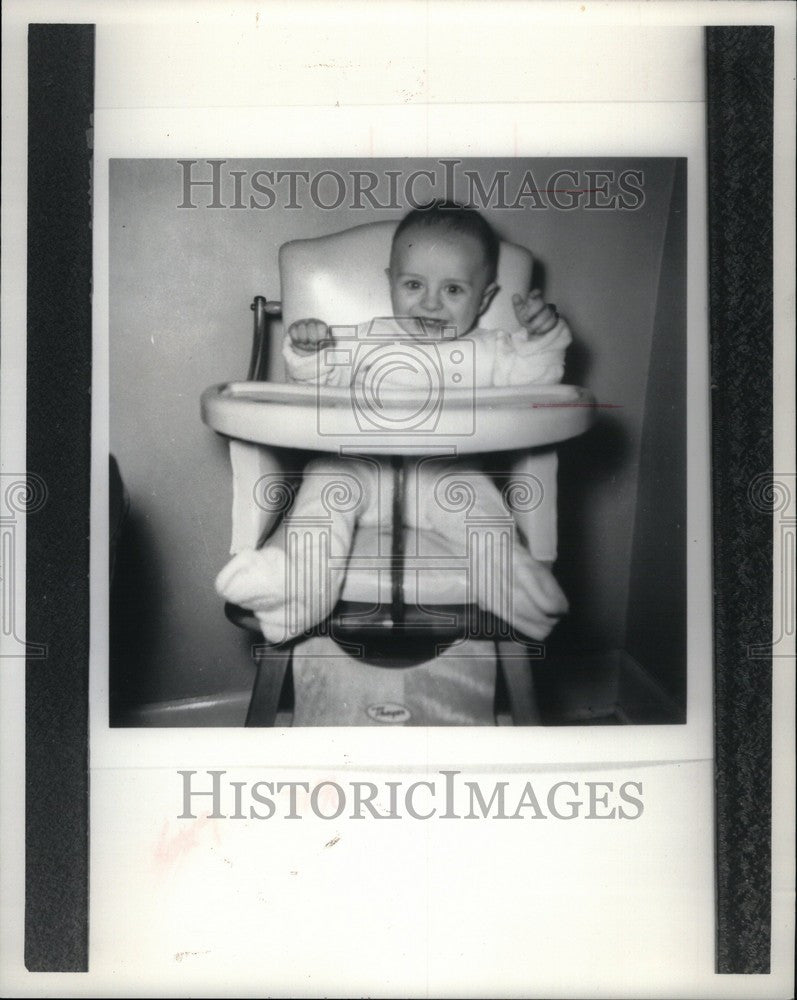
135 624
140 627
587 465
657 599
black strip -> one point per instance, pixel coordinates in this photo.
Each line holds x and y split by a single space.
740 68
397 542
60 106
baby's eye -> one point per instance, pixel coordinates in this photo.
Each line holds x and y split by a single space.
412 284
454 289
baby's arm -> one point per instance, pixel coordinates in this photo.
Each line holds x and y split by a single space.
534 354
300 349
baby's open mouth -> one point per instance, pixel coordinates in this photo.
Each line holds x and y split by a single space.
427 326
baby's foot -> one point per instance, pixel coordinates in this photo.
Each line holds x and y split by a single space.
537 600
248 580
524 594
287 597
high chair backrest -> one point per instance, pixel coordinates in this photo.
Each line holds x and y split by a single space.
341 280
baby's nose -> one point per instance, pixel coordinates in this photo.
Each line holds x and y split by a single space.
431 299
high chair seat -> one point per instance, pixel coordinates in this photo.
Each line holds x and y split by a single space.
435 571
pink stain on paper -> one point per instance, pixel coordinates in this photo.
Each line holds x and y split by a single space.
179 838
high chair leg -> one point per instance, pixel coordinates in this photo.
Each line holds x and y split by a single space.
272 666
516 665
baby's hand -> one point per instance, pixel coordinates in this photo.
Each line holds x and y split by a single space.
533 314
309 335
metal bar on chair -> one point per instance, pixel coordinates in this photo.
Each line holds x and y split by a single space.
264 311
397 542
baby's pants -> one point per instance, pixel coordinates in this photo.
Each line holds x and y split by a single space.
294 581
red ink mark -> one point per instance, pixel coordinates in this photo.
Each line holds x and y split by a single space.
576 406
172 847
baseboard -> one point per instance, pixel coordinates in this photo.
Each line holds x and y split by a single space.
227 708
578 688
607 687
641 700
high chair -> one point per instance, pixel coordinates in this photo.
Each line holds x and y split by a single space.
405 599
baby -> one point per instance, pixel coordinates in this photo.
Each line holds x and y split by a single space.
442 276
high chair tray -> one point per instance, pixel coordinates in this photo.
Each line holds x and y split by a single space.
409 421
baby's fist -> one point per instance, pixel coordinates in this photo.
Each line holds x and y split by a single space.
309 335
533 314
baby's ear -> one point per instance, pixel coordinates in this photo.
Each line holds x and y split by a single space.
488 295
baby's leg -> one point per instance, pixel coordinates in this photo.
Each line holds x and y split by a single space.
293 582
462 503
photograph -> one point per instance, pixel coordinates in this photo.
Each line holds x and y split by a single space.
447 484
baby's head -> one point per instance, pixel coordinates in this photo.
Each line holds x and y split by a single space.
443 266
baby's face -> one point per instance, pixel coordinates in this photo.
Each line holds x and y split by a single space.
438 280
